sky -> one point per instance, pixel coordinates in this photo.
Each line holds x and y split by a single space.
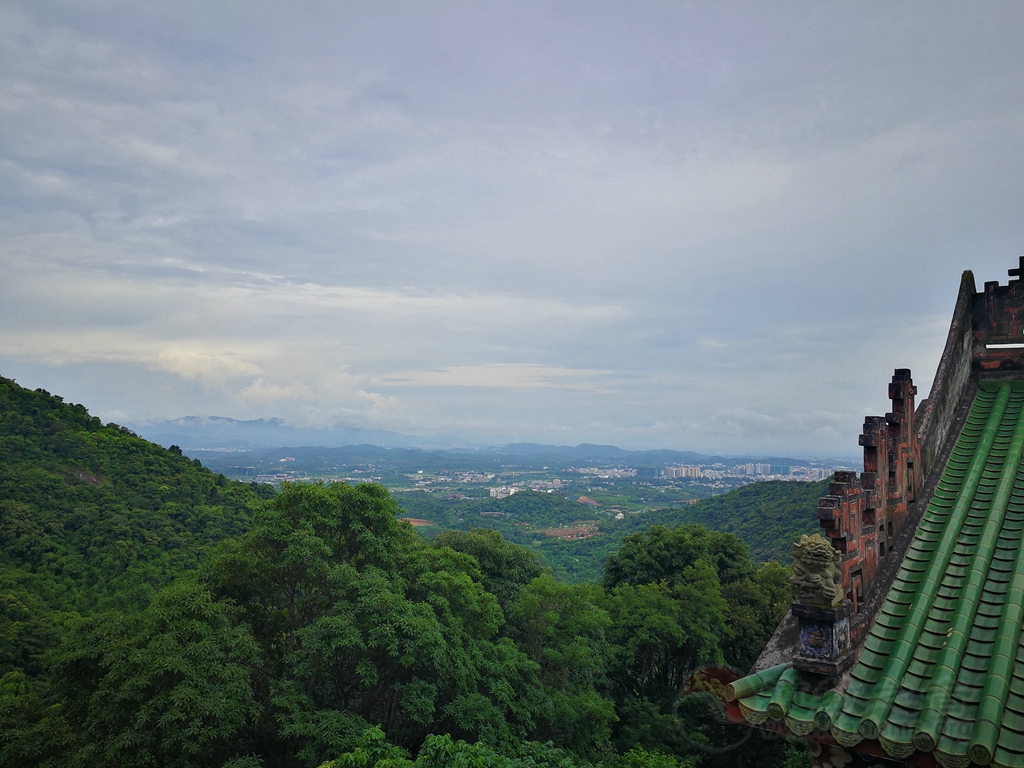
700 226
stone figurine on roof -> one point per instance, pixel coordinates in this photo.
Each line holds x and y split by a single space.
904 646
816 578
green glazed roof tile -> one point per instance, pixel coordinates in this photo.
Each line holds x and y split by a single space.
867 675
1010 740
891 615
847 722
971 678
963 569
1014 703
976 663
967 694
904 717
914 685
878 645
959 712
1013 720
882 633
919 667
807 700
952 746
983 634
1008 759
858 688
801 713
978 648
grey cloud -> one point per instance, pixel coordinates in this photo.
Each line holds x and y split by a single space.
268 210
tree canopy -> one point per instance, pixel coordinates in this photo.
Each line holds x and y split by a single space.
155 614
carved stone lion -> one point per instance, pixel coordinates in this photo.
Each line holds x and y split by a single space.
817 579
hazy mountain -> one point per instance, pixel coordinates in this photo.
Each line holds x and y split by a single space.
206 433
591 452
192 432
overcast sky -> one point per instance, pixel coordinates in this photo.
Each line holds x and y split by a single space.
704 226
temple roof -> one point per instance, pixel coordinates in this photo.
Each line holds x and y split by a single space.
942 668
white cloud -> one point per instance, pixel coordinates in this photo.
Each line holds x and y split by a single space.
263 392
196 364
503 376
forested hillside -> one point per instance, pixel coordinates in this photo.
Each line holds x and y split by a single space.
92 517
768 516
155 614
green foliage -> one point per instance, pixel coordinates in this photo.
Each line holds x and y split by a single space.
306 630
536 507
93 518
505 567
578 562
563 630
755 606
768 516
665 554
357 614
663 632
437 751
638 757
169 685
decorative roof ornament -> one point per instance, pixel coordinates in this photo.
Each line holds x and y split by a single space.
817 579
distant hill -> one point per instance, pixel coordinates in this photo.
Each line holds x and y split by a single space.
589 451
193 432
768 516
198 433
660 457
94 517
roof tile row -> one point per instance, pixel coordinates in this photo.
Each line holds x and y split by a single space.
942 669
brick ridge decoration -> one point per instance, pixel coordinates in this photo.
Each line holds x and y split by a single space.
863 515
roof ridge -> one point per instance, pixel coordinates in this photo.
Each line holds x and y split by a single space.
899 656
947 666
965 570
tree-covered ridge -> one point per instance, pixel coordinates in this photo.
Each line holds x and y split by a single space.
154 614
93 517
769 516
331 617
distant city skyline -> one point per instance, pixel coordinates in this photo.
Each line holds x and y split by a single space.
705 227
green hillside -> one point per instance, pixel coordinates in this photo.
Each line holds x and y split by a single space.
92 517
153 613
768 516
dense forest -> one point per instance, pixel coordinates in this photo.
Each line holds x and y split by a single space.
153 613
768 516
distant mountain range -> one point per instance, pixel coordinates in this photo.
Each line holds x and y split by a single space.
205 433
611 452
211 432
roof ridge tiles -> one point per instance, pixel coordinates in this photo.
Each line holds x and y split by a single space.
873 720
944 654
947 666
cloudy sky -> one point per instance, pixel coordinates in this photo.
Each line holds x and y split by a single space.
705 226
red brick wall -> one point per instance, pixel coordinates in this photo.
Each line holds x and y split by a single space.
863 515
